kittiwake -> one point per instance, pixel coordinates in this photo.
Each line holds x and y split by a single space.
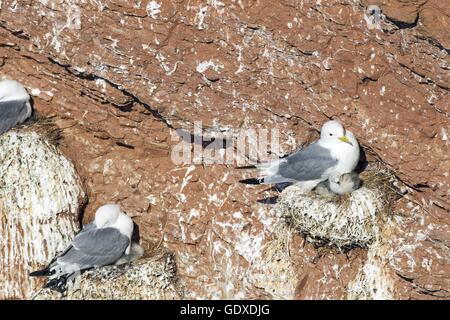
15 105
104 241
334 154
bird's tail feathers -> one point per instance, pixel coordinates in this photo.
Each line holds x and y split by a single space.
265 169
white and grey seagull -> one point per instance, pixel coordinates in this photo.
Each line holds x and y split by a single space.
15 105
104 241
334 154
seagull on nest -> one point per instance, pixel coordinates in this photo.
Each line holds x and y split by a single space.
334 154
104 241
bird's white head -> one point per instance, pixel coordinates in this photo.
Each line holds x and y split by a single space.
332 132
373 10
107 215
125 225
11 90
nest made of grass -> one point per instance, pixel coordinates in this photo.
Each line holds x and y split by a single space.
45 127
348 221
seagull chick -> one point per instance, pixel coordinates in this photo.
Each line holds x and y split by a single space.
15 105
346 183
102 242
334 154
373 17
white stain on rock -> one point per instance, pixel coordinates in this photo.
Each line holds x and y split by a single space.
62 30
444 134
274 268
35 92
153 9
209 64
200 17
373 280
40 199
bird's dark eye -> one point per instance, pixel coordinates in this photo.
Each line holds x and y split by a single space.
331 134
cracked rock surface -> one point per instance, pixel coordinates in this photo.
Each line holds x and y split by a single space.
119 76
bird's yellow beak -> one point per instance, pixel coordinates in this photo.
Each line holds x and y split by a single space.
345 139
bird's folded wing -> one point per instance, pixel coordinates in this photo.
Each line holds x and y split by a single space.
100 241
87 227
96 247
307 164
10 113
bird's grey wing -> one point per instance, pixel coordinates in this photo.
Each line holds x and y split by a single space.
307 164
10 114
87 227
96 247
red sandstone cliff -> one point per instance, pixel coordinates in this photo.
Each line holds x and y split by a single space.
119 76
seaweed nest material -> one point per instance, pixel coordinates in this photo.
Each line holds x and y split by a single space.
348 221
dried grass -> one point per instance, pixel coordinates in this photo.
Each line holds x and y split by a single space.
43 126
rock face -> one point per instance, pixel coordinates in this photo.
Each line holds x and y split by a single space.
119 76
40 200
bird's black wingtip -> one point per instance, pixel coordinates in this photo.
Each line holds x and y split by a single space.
253 181
40 273
58 284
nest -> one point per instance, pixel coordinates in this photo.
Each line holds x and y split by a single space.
43 126
152 278
348 221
